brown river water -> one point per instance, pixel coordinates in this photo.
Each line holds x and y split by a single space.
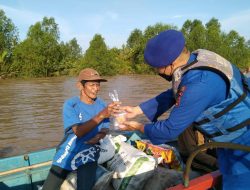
30 110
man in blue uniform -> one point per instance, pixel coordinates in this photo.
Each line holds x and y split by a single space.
86 121
207 92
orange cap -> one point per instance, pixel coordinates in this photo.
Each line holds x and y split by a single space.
89 74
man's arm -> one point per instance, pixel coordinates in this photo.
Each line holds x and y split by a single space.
156 106
153 107
203 89
71 119
83 128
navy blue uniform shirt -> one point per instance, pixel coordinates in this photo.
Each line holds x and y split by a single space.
201 90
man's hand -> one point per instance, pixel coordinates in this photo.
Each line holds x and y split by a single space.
100 135
104 130
132 126
110 109
132 112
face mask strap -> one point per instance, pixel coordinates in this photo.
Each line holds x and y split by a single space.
167 77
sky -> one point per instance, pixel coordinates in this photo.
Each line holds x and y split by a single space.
116 19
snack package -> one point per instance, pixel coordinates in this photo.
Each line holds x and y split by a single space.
166 155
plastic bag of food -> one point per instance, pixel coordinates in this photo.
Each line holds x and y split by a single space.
132 167
167 155
119 118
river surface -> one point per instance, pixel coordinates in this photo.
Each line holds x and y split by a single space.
30 110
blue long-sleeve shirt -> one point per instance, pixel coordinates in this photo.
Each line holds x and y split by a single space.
203 89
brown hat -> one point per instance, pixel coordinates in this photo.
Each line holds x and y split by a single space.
89 74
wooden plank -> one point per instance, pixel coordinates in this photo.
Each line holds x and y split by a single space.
201 183
25 168
13 163
26 160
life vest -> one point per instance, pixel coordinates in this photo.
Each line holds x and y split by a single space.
229 119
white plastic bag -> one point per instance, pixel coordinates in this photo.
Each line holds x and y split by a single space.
132 168
70 182
107 149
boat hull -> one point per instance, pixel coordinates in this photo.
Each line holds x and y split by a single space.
25 172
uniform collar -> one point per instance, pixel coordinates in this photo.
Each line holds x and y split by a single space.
191 58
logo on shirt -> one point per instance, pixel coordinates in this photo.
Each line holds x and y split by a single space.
80 116
83 157
66 150
179 94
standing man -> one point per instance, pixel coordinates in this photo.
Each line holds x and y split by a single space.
207 92
86 121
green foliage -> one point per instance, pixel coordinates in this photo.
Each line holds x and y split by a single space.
121 61
8 40
71 54
236 50
39 55
98 57
135 39
151 31
231 46
195 34
42 54
137 42
213 36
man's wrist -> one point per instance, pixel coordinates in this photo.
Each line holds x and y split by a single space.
141 129
101 116
102 132
98 118
138 110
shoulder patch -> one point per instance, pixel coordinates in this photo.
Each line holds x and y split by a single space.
179 94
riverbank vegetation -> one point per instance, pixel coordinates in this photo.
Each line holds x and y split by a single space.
43 54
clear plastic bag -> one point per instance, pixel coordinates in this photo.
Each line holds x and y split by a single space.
119 118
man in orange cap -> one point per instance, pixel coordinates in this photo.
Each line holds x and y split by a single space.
86 121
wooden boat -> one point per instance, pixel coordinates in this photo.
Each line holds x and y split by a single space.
207 181
28 172
25 172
